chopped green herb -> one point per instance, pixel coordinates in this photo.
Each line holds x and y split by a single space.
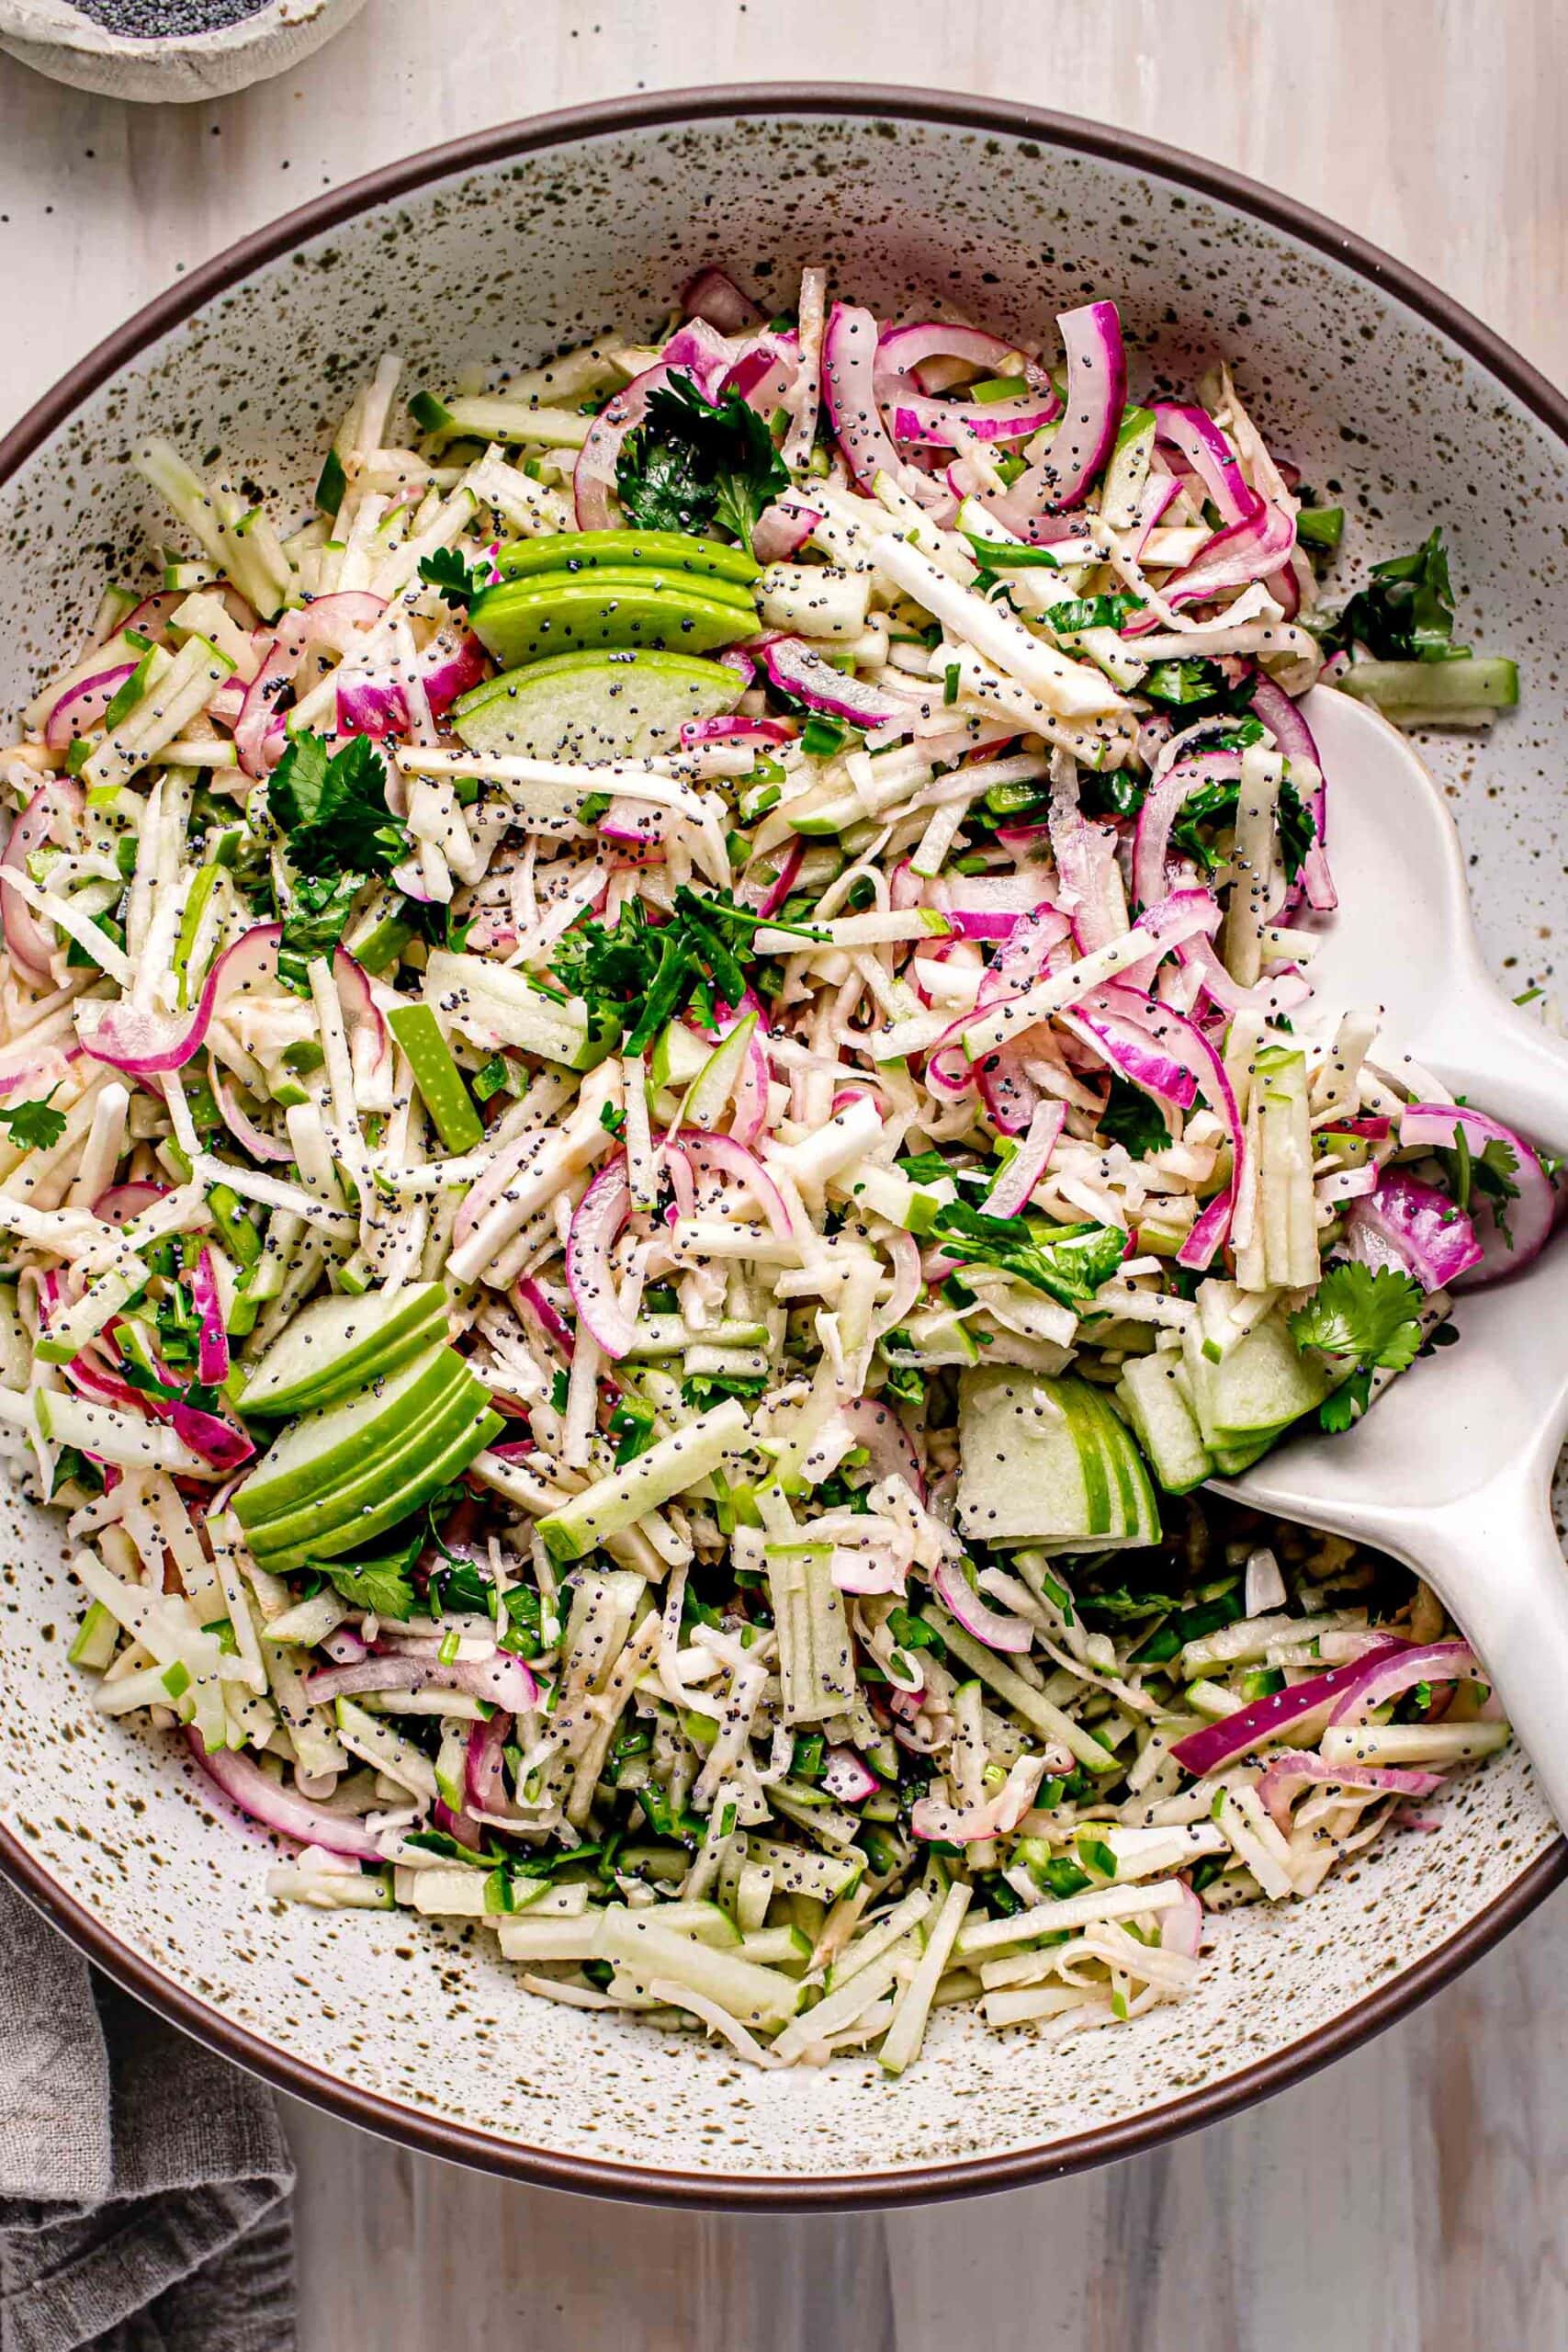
694 461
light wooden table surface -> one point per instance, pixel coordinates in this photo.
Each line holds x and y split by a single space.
1413 2198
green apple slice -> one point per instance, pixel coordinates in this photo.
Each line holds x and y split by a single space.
374 1518
591 550
323 1448
336 1346
595 706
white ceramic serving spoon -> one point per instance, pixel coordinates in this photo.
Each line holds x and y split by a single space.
1451 1469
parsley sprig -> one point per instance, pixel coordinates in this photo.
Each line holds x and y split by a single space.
694 461
1366 1319
339 834
34 1126
447 569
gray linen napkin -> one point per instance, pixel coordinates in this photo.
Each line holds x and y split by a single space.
143 2182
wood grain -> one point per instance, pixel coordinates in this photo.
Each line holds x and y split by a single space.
1412 2198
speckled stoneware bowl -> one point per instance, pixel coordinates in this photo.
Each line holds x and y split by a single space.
499 250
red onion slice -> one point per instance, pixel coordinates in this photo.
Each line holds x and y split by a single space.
1387 1676
531 1298
82 705
848 1776
1296 1767
1295 739
795 670
28 937
713 296
1415 1227
947 425
781 532
1530 1218
849 388
1217 1744
598 1218
258 1793
243 1128
717 1156
212 1340
961 1600
1152 875
217 1440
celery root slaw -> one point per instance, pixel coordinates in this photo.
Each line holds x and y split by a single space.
660 1103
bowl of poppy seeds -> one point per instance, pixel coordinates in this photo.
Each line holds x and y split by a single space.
162 50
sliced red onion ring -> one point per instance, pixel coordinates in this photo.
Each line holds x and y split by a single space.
82 705
713 296
531 1298
849 388
734 727
1134 1055
783 883
1387 1677
903 351
598 1218
1415 1227
1181 1928
848 1776
258 1793
959 1598
1097 394
212 1341
1295 738
1530 1218
1205 448
717 1155
884 1436
1296 1767
122 1201
485 1766
152 617
1163 803
1235 556
450 667
217 1440
1217 1744
781 532
241 1127
1179 1040
947 425
795 670
28 937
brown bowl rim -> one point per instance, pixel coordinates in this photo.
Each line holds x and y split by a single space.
968 2176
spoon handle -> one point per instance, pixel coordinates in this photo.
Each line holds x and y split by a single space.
1495 1561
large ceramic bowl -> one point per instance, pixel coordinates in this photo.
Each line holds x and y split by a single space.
499 249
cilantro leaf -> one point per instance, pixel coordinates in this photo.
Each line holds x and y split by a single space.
1133 1119
446 569
382 1585
1068 1262
1197 689
333 807
1216 805
694 461
1406 611
1369 1314
34 1126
